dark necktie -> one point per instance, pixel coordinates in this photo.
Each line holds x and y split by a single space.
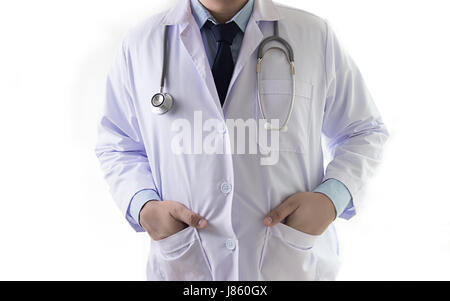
223 66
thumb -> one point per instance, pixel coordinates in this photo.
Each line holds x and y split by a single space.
183 214
279 213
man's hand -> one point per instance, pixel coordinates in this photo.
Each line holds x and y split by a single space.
308 212
163 219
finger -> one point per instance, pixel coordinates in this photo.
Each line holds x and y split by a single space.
181 213
280 213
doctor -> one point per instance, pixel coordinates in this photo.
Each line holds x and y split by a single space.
226 215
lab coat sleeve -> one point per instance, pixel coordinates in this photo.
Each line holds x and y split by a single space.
352 126
120 148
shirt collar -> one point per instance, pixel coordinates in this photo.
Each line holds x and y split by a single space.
181 13
201 14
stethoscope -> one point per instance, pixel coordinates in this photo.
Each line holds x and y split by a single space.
163 102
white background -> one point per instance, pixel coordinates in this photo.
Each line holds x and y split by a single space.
57 219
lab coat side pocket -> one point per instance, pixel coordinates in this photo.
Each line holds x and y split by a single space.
288 255
180 257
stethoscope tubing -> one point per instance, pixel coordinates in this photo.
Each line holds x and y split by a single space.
162 109
290 58
164 70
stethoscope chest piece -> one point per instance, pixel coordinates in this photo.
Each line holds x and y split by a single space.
161 103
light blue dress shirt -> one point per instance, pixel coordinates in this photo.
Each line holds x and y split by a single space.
334 189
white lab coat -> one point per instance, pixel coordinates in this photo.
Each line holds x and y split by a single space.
234 192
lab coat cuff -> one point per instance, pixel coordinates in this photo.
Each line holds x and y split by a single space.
138 201
353 188
338 194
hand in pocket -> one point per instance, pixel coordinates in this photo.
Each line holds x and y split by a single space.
308 212
166 218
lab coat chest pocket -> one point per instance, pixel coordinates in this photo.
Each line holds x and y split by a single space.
276 97
288 255
180 257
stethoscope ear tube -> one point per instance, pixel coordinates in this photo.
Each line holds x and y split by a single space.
276 38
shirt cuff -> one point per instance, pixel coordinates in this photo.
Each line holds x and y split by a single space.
139 200
338 194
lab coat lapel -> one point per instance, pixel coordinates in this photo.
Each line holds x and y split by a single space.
191 39
252 38
263 10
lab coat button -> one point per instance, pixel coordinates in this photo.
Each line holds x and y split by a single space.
230 244
222 128
225 188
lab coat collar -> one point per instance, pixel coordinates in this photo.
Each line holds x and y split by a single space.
190 37
264 10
